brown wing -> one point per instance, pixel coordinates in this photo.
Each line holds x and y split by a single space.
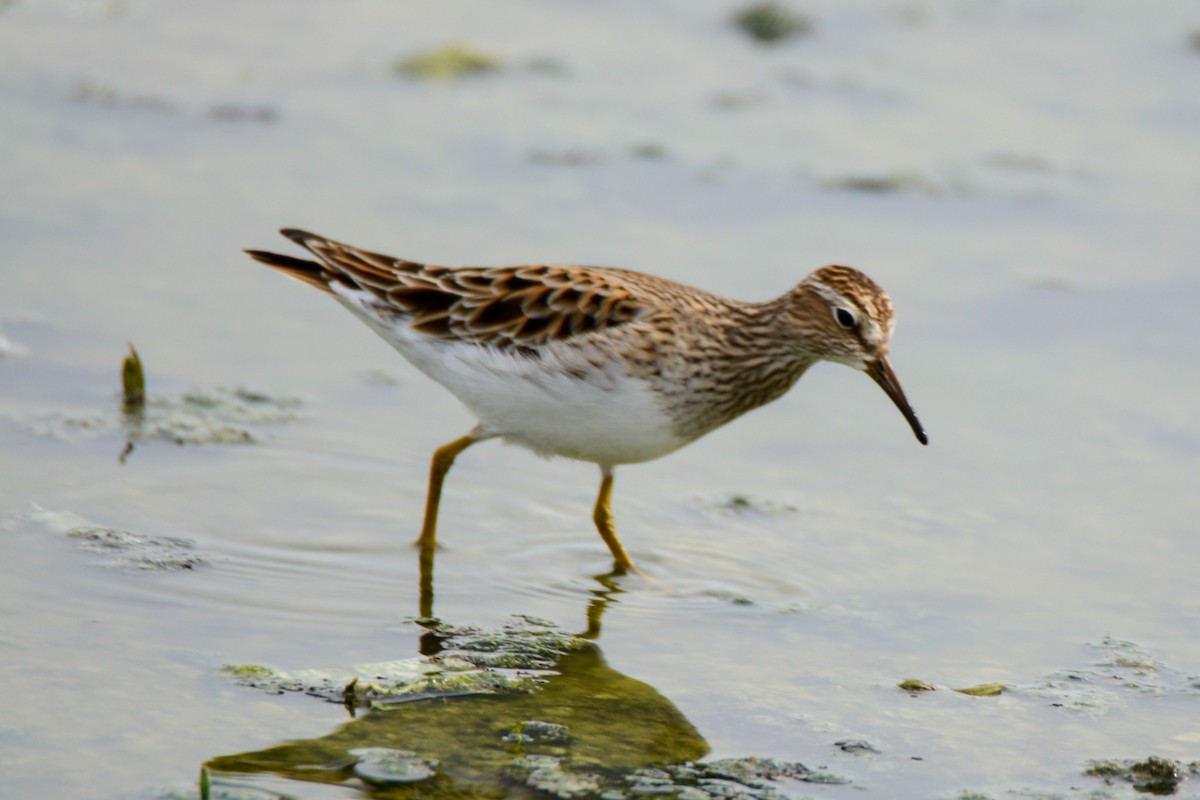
518 308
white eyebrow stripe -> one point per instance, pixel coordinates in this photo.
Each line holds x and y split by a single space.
830 296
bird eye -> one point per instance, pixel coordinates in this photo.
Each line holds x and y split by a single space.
845 317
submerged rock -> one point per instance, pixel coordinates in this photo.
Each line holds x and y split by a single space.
749 778
472 661
375 683
381 765
125 550
857 747
118 548
546 774
1119 668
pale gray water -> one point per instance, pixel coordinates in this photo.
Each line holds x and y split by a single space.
1041 250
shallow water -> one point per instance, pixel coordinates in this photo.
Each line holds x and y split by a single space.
1033 217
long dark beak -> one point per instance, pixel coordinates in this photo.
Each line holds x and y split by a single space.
881 372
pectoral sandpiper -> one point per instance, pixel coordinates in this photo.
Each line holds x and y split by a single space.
603 365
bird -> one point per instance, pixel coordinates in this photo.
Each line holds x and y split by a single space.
603 365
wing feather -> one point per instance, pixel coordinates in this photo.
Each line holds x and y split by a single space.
518 308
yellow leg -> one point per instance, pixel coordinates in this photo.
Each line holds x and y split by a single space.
604 522
443 459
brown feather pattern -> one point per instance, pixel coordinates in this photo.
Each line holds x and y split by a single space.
510 308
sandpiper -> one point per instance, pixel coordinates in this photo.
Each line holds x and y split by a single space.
598 364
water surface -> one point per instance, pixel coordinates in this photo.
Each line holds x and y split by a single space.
1021 176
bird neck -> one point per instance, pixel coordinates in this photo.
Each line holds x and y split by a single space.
747 363
778 358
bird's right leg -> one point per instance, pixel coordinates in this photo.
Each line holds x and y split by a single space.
443 459
602 516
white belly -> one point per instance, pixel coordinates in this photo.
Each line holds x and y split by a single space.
605 417
602 421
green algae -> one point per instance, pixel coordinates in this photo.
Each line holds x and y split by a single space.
248 672
770 23
650 151
740 504
884 183
447 63
915 685
1153 775
983 690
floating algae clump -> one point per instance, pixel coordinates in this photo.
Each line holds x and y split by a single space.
915 685
447 63
248 672
1155 775
768 23
983 690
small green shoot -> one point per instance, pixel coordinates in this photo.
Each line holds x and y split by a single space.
133 381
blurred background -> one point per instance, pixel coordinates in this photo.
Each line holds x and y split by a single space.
1022 176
